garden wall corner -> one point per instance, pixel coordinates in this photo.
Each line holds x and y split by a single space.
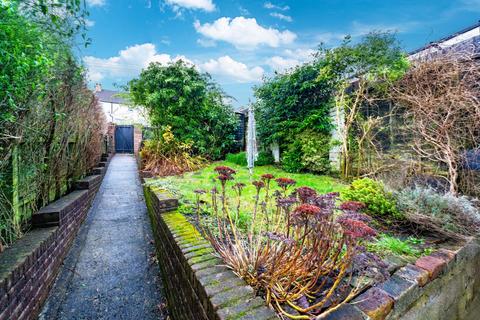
197 285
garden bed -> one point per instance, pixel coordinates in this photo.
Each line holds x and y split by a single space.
387 262
198 282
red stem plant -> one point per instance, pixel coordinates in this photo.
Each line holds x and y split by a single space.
301 259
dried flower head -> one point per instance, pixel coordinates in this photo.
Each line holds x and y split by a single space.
352 206
357 229
239 186
284 183
305 194
286 202
224 170
258 184
267 176
355 216
306 210
224 177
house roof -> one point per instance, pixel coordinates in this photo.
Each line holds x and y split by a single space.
465 39
110 96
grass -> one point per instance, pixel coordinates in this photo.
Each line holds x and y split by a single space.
184 186
390 244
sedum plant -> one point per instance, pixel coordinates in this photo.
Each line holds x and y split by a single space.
299 248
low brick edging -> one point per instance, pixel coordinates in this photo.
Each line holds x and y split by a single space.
29 267
197 285
441 286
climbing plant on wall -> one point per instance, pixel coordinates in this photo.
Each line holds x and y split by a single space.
50 124
290 104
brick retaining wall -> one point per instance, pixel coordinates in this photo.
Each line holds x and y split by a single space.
197 285
442 286
28 268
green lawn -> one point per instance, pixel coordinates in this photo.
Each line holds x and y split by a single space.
183 186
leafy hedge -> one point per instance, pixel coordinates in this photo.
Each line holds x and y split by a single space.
51 126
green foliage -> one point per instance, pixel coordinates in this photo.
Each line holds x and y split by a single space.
315 151
179 96
291 102
389 244
237 158
372 193
445 214
50 124
292 159
264 158
378 58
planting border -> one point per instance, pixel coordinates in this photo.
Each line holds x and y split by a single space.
444 285
197 285
29 267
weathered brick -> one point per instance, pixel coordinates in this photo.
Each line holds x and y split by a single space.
346 312
434 266
375 303
414 273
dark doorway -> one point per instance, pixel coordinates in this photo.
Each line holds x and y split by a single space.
124 139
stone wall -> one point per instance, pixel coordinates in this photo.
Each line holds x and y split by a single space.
28 268
197 286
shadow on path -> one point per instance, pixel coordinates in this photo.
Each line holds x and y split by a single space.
108 273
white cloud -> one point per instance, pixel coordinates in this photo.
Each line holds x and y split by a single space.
272 6
230 68
290 59
302 54
89 23
206 5
128 63
244 33
206 43
280 64
96 3
281 16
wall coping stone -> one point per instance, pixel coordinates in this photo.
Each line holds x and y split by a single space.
29 266
51 215
87 182
16 254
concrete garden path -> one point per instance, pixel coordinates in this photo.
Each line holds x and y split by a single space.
108 273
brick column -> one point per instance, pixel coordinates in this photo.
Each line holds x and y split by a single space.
137 139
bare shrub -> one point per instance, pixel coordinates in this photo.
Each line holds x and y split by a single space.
441 101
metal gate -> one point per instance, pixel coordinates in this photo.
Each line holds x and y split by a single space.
124 139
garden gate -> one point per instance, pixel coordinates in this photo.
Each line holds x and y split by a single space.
124 139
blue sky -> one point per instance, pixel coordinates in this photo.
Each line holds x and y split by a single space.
240 41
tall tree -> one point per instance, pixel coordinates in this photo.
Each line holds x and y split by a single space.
179 96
